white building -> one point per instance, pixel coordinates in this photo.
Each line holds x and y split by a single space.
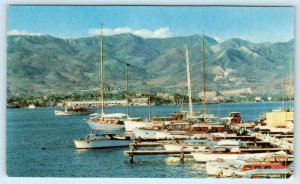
236 92
208 94
95 103
258 99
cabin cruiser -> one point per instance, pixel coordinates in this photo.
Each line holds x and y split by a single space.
94 140
74 111
226 153
198 145
238 168
269 173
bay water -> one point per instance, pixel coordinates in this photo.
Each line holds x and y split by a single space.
40 144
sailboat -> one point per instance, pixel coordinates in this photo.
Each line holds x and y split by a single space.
203 116
105 122
198 125
146 129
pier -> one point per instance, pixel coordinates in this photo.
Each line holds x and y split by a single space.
242 138
182 153
149 144
278 140
131 153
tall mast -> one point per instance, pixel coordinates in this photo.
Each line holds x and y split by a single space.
283 94
204 87
102 72
189 79
290 87
127 111
149 91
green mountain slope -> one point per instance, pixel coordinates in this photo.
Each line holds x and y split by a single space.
45 64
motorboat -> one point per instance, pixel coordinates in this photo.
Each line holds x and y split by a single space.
226 153
238 168
269 173
198 145
93 141
74 111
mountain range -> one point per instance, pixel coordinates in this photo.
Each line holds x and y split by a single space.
45 64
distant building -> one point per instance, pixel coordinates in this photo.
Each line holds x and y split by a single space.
269 98
165 96
95 103
236 92
208 94
59 104
258 99
139 101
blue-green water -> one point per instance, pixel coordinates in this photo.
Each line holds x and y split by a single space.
41 144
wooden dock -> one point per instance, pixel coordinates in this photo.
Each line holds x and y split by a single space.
182 153
131 153
146 144
243 137
284 136
260 150
154 152
154 144
277 141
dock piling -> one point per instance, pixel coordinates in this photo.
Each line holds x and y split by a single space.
182 156
131 158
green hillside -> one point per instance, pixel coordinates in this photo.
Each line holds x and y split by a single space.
44 64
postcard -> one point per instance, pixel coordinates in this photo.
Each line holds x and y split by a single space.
150 91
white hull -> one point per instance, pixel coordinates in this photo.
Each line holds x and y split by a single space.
178 135
131 125
172 135
206 157
100 143
145 134
182 147
184 135
105 127
64 113
224 169
222 134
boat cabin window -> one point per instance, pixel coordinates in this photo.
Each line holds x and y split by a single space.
268 167
257 167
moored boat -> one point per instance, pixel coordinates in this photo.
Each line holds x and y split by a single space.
144 133
102 121
269 173
238 168
72 111
227 153
198 145
107 122
193 131
93 141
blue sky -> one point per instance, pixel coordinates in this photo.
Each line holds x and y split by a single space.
256 24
